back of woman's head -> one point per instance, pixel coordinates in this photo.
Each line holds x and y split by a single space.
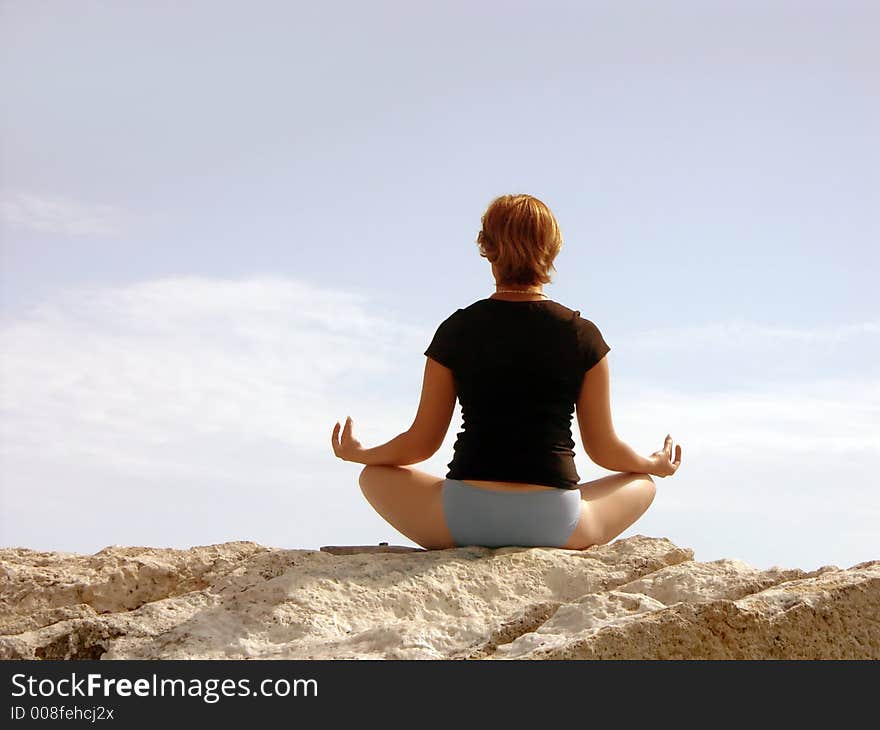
521 237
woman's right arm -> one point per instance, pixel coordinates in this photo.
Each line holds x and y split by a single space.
597 429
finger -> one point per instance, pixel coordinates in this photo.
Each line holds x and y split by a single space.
677 455
667 446
333 436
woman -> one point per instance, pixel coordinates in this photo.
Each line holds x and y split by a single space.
520 365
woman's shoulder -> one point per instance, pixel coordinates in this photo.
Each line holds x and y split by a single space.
577 316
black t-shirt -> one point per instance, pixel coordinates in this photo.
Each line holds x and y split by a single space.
518 368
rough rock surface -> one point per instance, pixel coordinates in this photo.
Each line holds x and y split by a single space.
635 598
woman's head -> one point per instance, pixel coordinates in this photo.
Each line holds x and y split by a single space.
521 237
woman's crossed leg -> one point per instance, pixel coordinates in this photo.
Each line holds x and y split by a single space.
609 505
411 501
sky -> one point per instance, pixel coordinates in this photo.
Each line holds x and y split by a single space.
225 226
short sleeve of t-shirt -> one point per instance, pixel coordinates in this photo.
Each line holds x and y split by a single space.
446 342
591 345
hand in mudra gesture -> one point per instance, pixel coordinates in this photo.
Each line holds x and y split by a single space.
662 464
346 447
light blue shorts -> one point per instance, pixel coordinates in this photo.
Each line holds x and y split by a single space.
494 518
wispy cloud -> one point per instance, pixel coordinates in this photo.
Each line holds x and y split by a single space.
832 417
739 356
55 214
739 332
138 374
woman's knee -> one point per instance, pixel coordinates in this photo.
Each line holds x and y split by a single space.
607 515
643 486
368 479
367 473
641 492
649 489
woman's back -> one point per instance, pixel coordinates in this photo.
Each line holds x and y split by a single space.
521 368
518 367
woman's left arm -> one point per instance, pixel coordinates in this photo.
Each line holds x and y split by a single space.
422 440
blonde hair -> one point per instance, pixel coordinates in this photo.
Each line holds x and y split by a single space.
521 237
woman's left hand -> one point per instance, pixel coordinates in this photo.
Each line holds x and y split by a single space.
348 448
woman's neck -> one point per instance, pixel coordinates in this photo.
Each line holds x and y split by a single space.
517 294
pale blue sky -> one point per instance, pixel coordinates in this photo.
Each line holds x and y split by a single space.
226 226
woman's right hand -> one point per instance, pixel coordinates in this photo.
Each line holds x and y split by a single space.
662 464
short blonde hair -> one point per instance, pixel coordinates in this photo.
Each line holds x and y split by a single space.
521 237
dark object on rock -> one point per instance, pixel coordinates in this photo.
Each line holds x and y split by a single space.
382 547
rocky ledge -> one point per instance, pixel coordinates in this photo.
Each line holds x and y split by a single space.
636 598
